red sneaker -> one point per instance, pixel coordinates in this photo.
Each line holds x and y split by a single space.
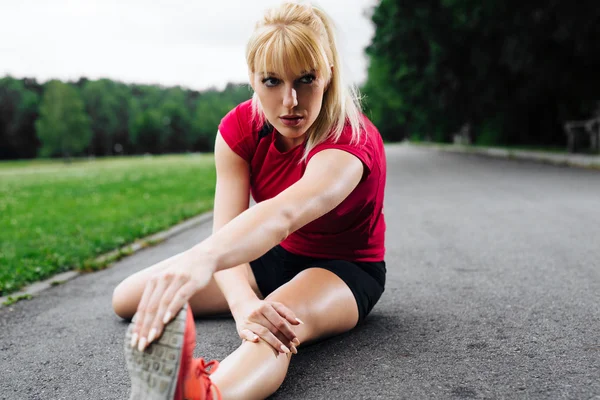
166 369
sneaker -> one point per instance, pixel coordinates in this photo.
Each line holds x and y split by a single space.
166 369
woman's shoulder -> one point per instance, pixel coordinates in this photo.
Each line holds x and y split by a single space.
245 106
239 129
240 114
364 134
364 141
242 118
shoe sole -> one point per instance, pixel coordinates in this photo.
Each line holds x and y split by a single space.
154 371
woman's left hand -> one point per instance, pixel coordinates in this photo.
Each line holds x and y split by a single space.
165 295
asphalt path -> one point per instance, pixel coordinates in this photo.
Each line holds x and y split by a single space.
493 292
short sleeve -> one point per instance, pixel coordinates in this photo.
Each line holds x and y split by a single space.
236 128
362 148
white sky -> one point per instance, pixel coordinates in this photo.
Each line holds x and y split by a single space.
192 43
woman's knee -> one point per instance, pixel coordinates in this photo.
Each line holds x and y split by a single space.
328 308
127 295
119 303
125 298
305 332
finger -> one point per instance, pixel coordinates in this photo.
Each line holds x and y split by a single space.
286 313
248 335
141 310
290 344
180 298
173 285
266 335
280 323
261 320
151 310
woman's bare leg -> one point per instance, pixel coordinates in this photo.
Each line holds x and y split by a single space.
208 301
255 370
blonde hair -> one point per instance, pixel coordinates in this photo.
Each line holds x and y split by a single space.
300 38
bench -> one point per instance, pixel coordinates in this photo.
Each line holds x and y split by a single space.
591 127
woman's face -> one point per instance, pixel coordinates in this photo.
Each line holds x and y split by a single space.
290 102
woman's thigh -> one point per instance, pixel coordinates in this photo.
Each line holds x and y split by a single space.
208 301
321 300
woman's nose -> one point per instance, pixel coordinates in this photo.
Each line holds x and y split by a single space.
290 99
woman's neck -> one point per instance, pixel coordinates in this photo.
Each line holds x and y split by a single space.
284 144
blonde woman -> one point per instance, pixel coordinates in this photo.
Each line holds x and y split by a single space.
306 262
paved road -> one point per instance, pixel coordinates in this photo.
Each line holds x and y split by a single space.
493 293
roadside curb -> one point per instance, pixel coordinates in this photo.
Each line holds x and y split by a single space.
570 160
37 287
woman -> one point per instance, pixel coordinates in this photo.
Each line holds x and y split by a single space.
306 262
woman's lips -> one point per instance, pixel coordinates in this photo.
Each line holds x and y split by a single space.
291 121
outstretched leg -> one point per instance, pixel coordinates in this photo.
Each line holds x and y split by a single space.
326 306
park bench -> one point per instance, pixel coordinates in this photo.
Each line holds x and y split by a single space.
574 129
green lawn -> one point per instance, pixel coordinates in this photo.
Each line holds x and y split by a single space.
56 217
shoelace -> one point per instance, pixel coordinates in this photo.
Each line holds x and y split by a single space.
203 373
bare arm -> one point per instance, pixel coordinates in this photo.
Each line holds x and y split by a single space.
330 177
253 318
231 199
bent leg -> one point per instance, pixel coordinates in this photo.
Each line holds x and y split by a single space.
208 301
326 306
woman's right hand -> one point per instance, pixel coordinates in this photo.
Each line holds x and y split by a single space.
267 320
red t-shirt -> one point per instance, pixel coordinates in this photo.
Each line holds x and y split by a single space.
355 229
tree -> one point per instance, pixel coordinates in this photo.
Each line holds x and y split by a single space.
18 111
211 108
124 114
63 126
177 114
147 131
513 71
102 106
103 117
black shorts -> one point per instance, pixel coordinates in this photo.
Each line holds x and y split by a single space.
278 266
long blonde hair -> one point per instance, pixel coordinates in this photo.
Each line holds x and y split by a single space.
299 38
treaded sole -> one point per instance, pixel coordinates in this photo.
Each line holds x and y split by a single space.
154 371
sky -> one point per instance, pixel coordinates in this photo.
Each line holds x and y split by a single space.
196 44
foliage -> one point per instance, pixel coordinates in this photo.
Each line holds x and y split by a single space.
63 126
121 119
18 112
212 107
512 71
103 103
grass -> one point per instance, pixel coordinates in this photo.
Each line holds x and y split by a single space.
12 300
57 217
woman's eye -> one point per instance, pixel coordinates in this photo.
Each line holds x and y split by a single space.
308 79
270 82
